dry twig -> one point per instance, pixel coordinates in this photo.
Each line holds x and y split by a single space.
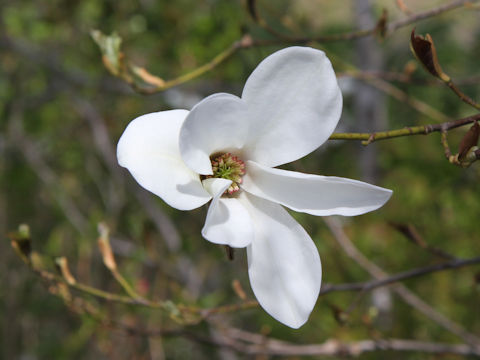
408 296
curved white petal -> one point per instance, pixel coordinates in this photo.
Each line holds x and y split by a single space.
148 148
217 123
294 104
216 186
228 222
313 194
283 263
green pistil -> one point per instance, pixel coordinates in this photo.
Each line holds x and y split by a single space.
230 167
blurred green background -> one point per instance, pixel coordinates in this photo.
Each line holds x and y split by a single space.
62 114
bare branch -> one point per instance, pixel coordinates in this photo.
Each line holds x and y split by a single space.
368 138
256 344
408 296
334 347
411 233
409 274
390 28
154 84
427 14
465 98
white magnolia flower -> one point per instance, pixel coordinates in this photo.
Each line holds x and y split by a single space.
225 150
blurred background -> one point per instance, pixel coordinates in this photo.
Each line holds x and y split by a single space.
62 114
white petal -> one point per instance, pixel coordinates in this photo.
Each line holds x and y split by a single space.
217 123
283 263
228 222
313 194
148 148
216 186
294 105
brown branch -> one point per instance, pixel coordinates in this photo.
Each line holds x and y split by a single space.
411 233
390 279
403 8
404 77
356 34
389 89
251 343
205 313
427 14
184 313
256 344
154 84
465 98
408 296
400 95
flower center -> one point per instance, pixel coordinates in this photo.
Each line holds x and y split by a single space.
230 167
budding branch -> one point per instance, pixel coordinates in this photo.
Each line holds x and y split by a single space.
368 138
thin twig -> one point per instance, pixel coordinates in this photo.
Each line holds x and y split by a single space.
409 274
395 92
110 262
244 42
403 77
251 343
368 138
390 28
389 89
403 8
411 233
408 296
446 147
170 307
427 14
247 42
257 344
465 98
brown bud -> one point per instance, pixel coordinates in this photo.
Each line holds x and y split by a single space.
21 242
252 9
410 232
149 78
424 50
410 68
403 7
339 314
105 248
381 27
476 278
230 252
237 287
470 139
62 266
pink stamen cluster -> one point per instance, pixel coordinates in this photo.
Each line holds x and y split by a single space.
230 167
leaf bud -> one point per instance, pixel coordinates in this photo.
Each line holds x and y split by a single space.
424 50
